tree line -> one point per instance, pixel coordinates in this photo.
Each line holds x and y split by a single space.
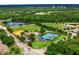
56 17
69 47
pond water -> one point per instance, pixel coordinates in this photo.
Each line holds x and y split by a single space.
48 36
14 23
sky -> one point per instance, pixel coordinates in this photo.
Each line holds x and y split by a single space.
2 2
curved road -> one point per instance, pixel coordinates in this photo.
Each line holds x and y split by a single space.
17 41
25 47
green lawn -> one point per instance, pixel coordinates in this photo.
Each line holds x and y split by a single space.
39 44
59 38
31 27
58 26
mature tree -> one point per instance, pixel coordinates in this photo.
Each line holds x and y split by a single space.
15 50
7 40
10 29
42 30
32 37
69 47
22 38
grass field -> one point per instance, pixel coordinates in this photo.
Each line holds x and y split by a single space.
61 37
39 44
58 26
31 27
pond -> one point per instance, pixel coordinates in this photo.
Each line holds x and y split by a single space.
48 36
14 23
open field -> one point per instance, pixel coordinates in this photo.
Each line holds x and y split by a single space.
54 25
30 27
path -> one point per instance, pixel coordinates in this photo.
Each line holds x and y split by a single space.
23 45
17 42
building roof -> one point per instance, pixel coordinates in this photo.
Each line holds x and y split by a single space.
3 49
18 32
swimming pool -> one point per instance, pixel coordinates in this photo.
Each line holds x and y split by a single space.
48 36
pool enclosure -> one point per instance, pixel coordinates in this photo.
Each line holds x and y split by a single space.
48 36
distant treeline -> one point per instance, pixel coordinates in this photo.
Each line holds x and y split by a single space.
59 17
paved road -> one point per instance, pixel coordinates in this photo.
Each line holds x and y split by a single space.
23 45
17 41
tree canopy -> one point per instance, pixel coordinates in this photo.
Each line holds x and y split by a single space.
69 47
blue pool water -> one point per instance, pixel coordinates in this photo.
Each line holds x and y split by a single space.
48 36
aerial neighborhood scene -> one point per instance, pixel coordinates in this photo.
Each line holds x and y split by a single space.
39 29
